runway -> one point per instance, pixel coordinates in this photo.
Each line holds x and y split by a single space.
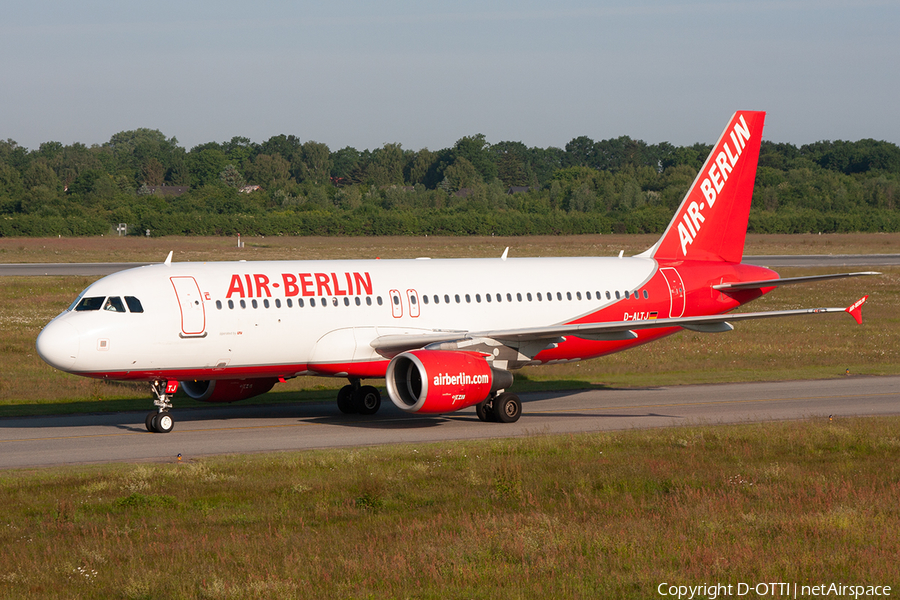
118 437
773 261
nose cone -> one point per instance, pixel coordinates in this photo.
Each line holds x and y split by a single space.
58 344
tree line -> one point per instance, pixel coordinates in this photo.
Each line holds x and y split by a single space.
284 186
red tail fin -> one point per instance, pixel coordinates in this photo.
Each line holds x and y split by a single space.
711 222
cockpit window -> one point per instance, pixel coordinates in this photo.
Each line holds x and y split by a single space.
92 303
134 305
114 304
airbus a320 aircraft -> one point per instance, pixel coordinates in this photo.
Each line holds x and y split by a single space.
445 334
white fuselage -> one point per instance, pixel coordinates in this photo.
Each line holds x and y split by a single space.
285 318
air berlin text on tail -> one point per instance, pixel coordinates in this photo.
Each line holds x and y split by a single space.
719 170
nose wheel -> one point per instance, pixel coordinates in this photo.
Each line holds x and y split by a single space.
160 420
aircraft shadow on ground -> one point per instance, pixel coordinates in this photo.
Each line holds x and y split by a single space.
127 414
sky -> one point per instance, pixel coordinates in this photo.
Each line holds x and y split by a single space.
424 74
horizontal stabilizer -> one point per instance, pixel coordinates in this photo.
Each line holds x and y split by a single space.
765 283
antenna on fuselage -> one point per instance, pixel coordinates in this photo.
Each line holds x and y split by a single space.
169 258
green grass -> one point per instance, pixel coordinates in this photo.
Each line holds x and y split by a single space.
140 249
606 515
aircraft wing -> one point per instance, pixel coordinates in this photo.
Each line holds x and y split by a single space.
391 345
764 283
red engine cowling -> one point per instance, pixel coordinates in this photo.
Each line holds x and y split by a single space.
227 390
440 381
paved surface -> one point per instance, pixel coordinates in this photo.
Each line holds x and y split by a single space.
815 260
99 438
825 260
86 269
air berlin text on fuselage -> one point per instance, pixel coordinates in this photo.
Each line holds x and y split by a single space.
257 285
720 169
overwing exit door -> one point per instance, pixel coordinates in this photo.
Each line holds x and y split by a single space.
190 301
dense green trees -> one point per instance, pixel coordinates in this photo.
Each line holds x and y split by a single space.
305 188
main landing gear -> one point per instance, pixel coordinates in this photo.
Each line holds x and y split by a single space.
358 399
502 408
160 420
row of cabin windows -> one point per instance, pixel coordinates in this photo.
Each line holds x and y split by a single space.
528 297
300 302
436 299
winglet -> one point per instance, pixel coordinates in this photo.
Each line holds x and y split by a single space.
505 253
169 258
855 309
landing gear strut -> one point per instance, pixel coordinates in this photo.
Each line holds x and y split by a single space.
502 408
161 421
358 399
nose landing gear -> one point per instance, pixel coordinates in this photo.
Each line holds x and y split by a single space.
161 421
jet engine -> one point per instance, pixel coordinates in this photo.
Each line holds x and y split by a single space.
441 381
227 390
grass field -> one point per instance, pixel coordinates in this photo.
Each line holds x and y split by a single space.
138 249
796 348
608 515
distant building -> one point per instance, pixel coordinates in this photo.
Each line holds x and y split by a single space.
518 189
168 190
249 188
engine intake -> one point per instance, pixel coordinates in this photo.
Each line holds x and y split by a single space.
226 390
439 381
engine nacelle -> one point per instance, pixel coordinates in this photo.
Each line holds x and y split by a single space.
441 381
227 390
